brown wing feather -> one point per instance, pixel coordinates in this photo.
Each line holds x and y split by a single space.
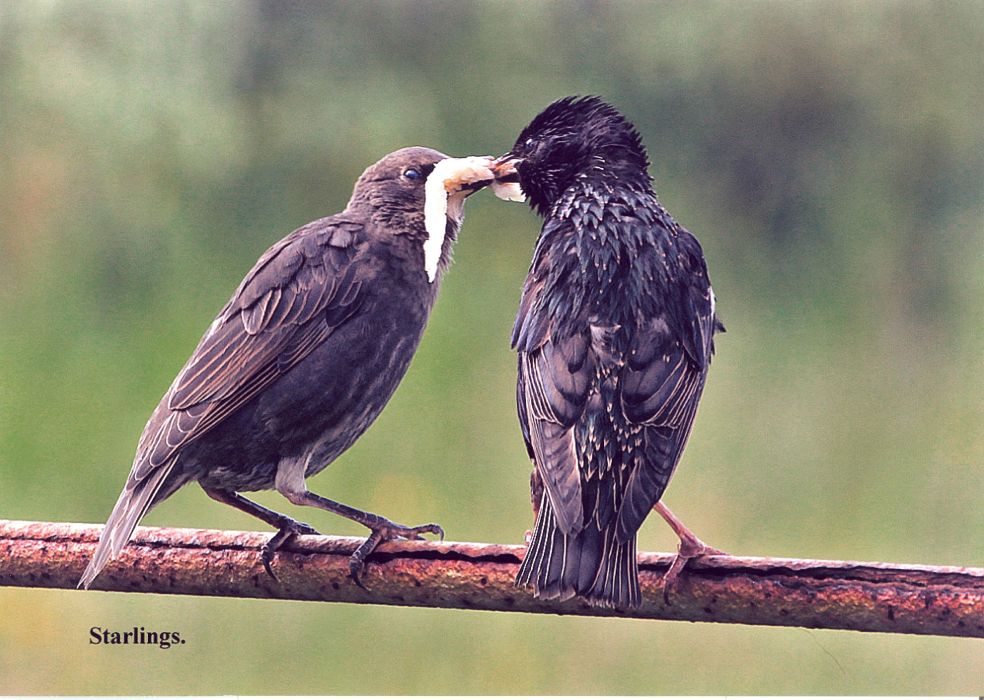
286 306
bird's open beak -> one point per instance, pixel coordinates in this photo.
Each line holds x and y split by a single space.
504 168
506 184
471 188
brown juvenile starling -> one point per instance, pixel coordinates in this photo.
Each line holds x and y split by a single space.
305 355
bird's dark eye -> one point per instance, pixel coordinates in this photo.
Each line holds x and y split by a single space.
529 143
413 174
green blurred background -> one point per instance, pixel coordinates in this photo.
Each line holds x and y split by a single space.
829 156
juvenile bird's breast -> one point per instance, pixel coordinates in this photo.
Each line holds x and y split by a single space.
322 405
351 377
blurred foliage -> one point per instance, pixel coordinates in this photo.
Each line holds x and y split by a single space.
829 155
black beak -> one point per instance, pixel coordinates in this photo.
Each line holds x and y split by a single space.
504 168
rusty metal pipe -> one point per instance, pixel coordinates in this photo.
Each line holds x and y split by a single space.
860 596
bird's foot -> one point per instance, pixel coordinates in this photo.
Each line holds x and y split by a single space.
385 532
289 529
691 547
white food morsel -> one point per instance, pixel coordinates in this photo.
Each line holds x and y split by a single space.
447 178
446 182
509 191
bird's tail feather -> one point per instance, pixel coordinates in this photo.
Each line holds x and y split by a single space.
132 505
592 563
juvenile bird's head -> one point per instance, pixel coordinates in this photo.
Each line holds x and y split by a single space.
418 194
391 190
574 137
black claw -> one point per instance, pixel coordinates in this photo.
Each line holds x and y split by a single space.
384 533
305 529
355 572
416 533
357 564
266 557
288 531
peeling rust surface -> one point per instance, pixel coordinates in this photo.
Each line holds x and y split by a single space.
860 596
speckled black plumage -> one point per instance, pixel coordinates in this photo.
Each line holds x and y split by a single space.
299 363
614 336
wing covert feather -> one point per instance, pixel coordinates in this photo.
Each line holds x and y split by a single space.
299 291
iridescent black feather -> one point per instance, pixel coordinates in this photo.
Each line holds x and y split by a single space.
615 335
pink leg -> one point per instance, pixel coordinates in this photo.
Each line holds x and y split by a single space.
691 547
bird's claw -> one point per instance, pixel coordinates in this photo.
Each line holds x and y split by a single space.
304 529
384 533
357 563
417 533
266 556
288 531
690 548
357 567
393 531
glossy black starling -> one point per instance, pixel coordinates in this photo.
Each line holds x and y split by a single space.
301 361
615 335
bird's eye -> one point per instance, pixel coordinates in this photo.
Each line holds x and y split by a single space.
413 174
529 143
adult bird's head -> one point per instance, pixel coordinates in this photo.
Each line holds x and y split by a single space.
575 137
399 193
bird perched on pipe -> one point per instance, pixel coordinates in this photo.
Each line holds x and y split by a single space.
305 355
614 335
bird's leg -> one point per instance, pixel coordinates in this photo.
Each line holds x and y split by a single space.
381 528
691 547
287 527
